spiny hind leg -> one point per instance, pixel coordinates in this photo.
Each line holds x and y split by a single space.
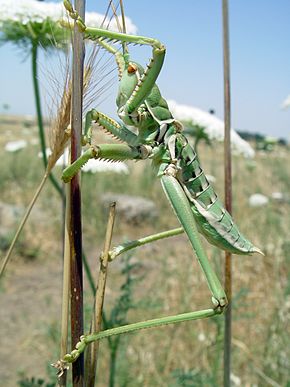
180 204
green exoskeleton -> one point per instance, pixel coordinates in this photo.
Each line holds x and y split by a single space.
159 137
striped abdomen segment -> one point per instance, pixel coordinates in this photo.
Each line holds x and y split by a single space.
213 221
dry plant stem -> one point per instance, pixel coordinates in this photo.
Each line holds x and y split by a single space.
228 191
34 53
65 287
75 231
92 356
22 224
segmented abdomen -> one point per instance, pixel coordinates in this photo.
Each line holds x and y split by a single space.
213 221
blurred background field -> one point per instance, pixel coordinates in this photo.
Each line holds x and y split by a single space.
163 278
159 279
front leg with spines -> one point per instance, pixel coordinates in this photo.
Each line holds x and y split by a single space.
148 79
102 36
82 27
110 126
112 152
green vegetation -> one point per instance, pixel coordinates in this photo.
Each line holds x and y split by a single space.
166 278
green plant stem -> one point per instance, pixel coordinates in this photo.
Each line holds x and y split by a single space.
34 54
113 362
218 351
89 274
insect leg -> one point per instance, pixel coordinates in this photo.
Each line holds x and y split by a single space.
114 152
148 78
180 204
82 26
109 125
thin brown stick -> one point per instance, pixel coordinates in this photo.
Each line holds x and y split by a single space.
75 232
228 190
22 224
92 357
65 287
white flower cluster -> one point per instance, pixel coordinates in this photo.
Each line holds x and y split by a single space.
94 19
214 127
258 200
14 146
25 11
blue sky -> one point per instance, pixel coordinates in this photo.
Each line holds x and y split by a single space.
192 73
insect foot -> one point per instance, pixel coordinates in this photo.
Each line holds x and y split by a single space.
219 304
74 15
74 168
61 367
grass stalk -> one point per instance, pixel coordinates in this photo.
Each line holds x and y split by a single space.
113 361
65 287
75 231
22 224
34 54
228 190
90 279
92 356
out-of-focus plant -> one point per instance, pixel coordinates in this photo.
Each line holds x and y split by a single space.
5 107
198 132
267 144
119 312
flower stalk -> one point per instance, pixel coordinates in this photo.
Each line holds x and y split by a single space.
75 230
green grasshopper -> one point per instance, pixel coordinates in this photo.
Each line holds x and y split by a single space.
159 138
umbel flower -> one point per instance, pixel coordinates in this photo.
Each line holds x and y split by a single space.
29 21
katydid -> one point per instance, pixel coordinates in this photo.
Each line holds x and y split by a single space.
158 137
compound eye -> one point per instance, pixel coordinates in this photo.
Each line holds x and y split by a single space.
132 68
